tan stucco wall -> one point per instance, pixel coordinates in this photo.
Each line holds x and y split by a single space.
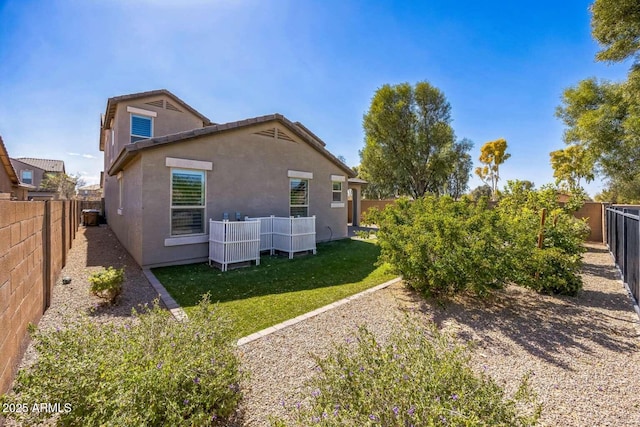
38 174
128 225
249 176
167 122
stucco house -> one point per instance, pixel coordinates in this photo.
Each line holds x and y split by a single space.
169 169
32 171
10 186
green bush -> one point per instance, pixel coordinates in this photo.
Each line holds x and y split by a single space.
442 246
555 268
419 378
107 283
152 371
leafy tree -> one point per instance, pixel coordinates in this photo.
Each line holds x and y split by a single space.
480 192
571 165
373 190
615 24
457 182
409 142
492 155
65 185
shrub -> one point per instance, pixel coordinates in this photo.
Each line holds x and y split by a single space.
553 271
107 283
420 377
442 246
151 371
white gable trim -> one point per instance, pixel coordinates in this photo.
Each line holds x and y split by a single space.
135 110
173 162
299 174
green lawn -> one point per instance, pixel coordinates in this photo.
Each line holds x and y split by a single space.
279 288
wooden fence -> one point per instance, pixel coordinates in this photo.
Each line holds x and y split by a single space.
35 238
593 212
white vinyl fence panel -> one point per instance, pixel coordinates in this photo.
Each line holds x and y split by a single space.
293 235
266 232
231 242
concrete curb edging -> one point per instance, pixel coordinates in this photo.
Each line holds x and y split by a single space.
166 299
275 328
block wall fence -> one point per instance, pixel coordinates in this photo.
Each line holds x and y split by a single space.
35 238
592 211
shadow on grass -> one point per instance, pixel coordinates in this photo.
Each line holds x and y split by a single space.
336 263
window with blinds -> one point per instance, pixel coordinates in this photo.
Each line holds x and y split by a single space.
141 127
187 202
299 197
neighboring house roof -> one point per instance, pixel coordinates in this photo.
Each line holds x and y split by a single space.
131 150
94 187
46 165
6 163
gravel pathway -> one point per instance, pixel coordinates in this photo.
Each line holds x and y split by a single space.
583 352
93 249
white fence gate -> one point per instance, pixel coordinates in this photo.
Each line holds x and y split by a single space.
266 232
231 242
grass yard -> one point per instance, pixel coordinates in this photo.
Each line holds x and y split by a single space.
279 288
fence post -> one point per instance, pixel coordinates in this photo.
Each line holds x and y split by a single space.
46 255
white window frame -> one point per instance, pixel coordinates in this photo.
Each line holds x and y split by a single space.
132 135
306 205
120 178
337 179
184 238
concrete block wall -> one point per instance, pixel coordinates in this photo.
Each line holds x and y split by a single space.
34 240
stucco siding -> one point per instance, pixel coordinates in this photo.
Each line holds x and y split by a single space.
249 176
165 123
127 225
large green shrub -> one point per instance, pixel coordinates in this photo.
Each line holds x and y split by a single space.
442 246
420 378
152 371
554 268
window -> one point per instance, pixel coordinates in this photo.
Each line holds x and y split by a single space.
299 197
27 177
120 193
187 202
337 191
141 127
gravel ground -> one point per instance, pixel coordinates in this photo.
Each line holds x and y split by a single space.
93 249
583 352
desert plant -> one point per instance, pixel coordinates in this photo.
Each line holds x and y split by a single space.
152 371
107 283
442 246
419 377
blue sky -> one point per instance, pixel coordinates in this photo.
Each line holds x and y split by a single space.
501 64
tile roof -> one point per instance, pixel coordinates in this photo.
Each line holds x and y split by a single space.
46 165
131 150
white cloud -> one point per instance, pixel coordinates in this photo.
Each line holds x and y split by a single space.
88 156
73 154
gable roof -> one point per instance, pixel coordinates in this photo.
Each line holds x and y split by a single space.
46 165
130 150
6 163
114 101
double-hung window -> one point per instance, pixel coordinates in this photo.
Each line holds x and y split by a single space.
337 191
299 197
187 202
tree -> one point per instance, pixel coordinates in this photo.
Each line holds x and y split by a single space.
65 185
409 142
480 192
571 165
457 182
615 24
492 154
373 190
